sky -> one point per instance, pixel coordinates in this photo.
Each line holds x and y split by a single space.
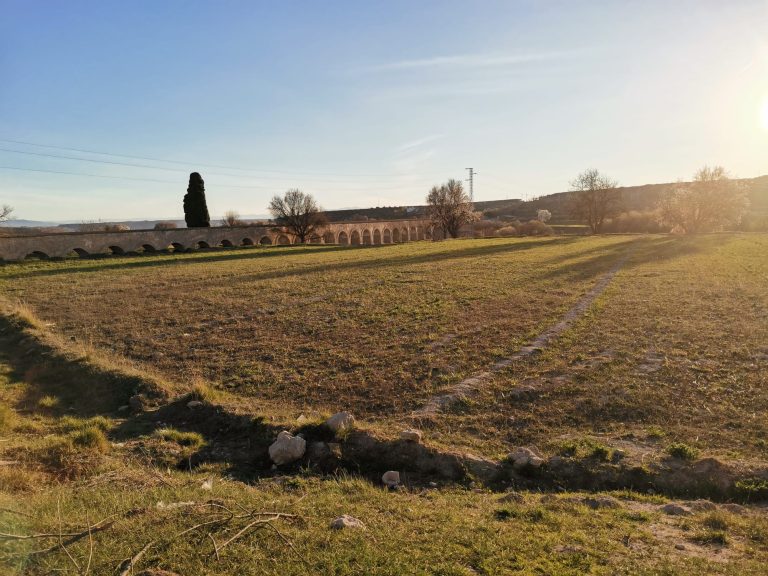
106 106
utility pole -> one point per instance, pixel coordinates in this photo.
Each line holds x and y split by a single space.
471 181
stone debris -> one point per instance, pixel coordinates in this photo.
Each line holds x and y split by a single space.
207 485
318 451
391 479
340 421
136 403
347 521
675 509
600 502
411 435
194 404
287 448
523 457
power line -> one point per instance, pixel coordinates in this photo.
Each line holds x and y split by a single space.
114 163
187 163
173 182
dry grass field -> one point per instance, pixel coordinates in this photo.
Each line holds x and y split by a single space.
671 356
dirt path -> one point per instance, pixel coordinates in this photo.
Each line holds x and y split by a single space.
472 384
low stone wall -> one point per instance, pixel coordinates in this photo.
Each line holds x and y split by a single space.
86 243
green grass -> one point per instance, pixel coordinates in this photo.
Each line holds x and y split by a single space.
673 349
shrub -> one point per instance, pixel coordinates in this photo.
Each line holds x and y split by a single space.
507 231
716 521
69 461
71 424
48 402
165 226
752 488
682 451
91 438
187 439
535 228
7 418
646 222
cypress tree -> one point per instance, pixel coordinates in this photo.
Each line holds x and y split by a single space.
195 207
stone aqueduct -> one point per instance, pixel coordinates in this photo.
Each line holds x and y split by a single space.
91 243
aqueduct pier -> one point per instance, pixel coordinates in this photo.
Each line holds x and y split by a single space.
59 245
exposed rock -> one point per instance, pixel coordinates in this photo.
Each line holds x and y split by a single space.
535 462
485 470
512 496
287 448
521 457
194 404
600 502
734 508
411 435
346 521
207 485
340 421
701 506
391 479
318 451
136 403
675 509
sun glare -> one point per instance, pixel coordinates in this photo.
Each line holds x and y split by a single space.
764 114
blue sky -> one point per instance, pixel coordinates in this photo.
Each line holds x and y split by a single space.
368 103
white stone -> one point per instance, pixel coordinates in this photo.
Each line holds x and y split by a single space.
391 479
287 448
411 435
194 404
522 457
346 521
340 421
207 485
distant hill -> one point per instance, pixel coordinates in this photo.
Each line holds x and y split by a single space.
639 198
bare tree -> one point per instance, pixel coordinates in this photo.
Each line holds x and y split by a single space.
298 214
712 201
449 207
5 212
232 219
594 198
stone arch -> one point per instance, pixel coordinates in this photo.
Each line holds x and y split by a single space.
367 239
414 233
343 238
265 241
329 238
315 239
81 253
404 235
202 244
116 250
355 238
420 233
246 242
227 244
37 255
148 248
386 237
395 235
377 236
283 240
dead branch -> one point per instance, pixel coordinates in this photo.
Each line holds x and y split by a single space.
126 567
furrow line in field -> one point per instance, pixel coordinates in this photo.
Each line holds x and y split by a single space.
472 384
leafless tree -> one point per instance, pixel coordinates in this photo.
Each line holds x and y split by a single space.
298 214
5 212
231 220
594 198
449 207
712 201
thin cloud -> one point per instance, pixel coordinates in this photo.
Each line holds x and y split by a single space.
472 61
417 143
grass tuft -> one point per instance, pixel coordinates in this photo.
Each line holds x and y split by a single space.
187 439
682 451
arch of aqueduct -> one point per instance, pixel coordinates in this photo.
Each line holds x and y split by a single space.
87 243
